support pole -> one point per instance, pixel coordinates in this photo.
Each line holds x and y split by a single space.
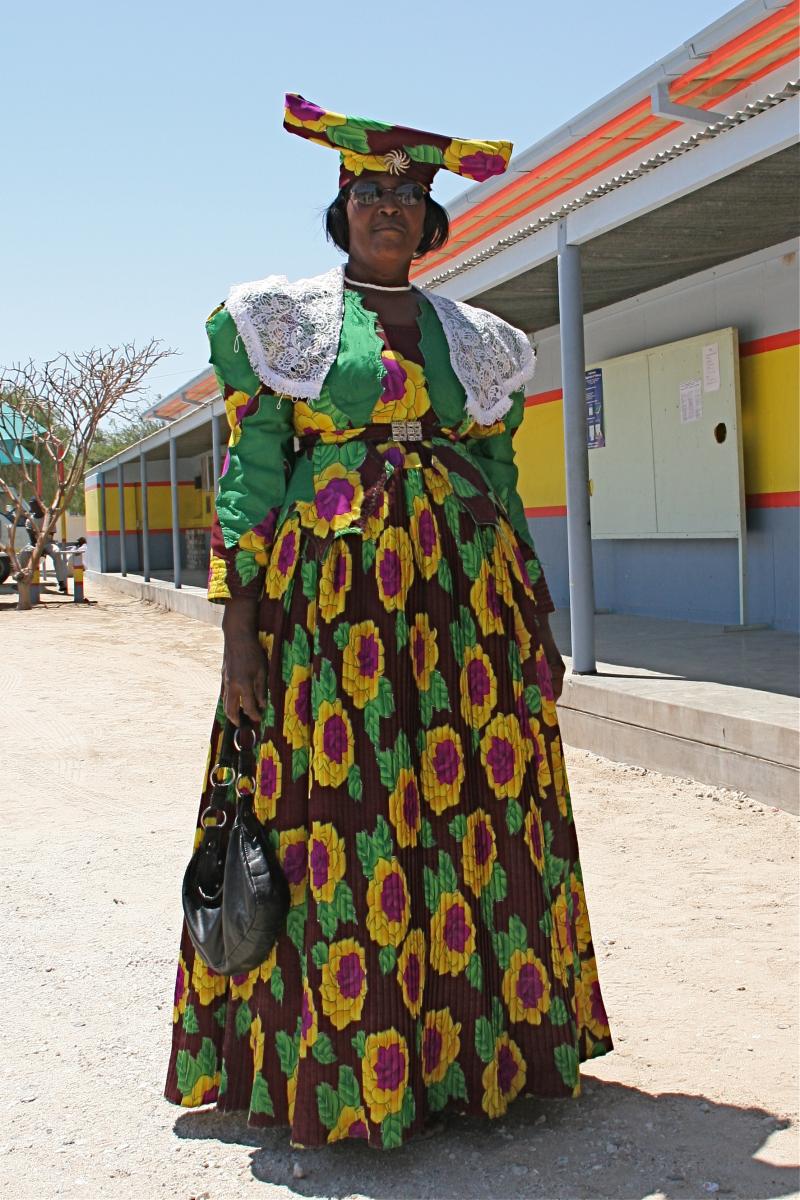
77 578
576 454
123 549
176 528
101 495
145 519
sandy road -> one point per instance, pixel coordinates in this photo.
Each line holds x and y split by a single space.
692 893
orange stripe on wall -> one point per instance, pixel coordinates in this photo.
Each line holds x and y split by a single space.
90 533
757 500
774 500
550 510
543 397
776 341
151 483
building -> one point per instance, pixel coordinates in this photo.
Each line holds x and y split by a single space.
676 197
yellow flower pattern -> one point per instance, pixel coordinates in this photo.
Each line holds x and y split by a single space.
362 663
423 649
343 988
335 581
452 938
388 909
411 971
504 1077
334 752
327 861
442 768
384 1073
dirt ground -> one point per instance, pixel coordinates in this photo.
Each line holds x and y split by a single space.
692 894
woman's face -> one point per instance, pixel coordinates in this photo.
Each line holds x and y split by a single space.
385 235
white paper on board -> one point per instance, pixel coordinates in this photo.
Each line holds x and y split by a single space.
711 367
691 400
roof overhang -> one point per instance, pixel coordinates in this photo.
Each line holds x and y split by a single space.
714 199
198 391
191 433
746 54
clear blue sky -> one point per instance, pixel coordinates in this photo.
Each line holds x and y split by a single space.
144 164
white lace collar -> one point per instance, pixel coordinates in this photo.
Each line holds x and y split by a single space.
291 334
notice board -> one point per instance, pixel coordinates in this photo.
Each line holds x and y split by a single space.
669 462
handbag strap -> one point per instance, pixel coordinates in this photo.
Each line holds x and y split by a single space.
244 740
235 765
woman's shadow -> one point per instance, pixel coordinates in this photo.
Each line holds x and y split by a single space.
615 1142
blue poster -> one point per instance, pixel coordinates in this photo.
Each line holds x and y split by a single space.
595 433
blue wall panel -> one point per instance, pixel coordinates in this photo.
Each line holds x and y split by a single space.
687 579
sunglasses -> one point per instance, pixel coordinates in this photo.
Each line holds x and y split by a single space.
366 193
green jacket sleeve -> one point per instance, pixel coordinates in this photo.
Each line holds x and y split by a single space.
257 464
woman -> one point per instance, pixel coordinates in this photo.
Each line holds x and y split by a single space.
386 626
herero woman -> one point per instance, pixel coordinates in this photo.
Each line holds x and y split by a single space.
386 626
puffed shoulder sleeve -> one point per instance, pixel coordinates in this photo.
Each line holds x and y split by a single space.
495 454
257 464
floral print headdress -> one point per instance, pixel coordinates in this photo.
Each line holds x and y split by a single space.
391 149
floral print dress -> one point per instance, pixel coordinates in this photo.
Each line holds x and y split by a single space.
437 953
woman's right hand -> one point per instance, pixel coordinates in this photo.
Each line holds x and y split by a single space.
244 666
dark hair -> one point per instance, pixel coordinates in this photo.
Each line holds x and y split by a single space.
435 230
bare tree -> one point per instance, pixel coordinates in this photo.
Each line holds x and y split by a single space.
51 414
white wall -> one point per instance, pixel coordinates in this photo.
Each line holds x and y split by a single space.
759 295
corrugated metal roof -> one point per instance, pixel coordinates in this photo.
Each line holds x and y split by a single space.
789 92
753 41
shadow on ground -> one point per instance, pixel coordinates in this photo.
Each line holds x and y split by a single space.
616 1141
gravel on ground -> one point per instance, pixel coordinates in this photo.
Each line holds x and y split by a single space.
692 892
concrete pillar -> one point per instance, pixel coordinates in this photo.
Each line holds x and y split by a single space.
176 526
101 504
579 527
123 550
145 519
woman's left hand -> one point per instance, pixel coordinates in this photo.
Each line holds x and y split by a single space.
557 672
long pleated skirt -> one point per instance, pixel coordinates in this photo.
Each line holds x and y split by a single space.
438 954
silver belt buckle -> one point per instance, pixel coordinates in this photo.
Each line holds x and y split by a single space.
407 431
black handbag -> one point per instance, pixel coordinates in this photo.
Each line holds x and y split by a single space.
235 895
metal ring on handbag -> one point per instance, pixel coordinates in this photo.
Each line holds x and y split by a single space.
245 786
237 740
222 776
212 808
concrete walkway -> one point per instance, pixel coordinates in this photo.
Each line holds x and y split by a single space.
681 698
697 701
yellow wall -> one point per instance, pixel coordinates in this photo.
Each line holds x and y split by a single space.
771 420
539 448
770 433
195 508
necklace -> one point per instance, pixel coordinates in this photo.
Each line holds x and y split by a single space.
378 287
